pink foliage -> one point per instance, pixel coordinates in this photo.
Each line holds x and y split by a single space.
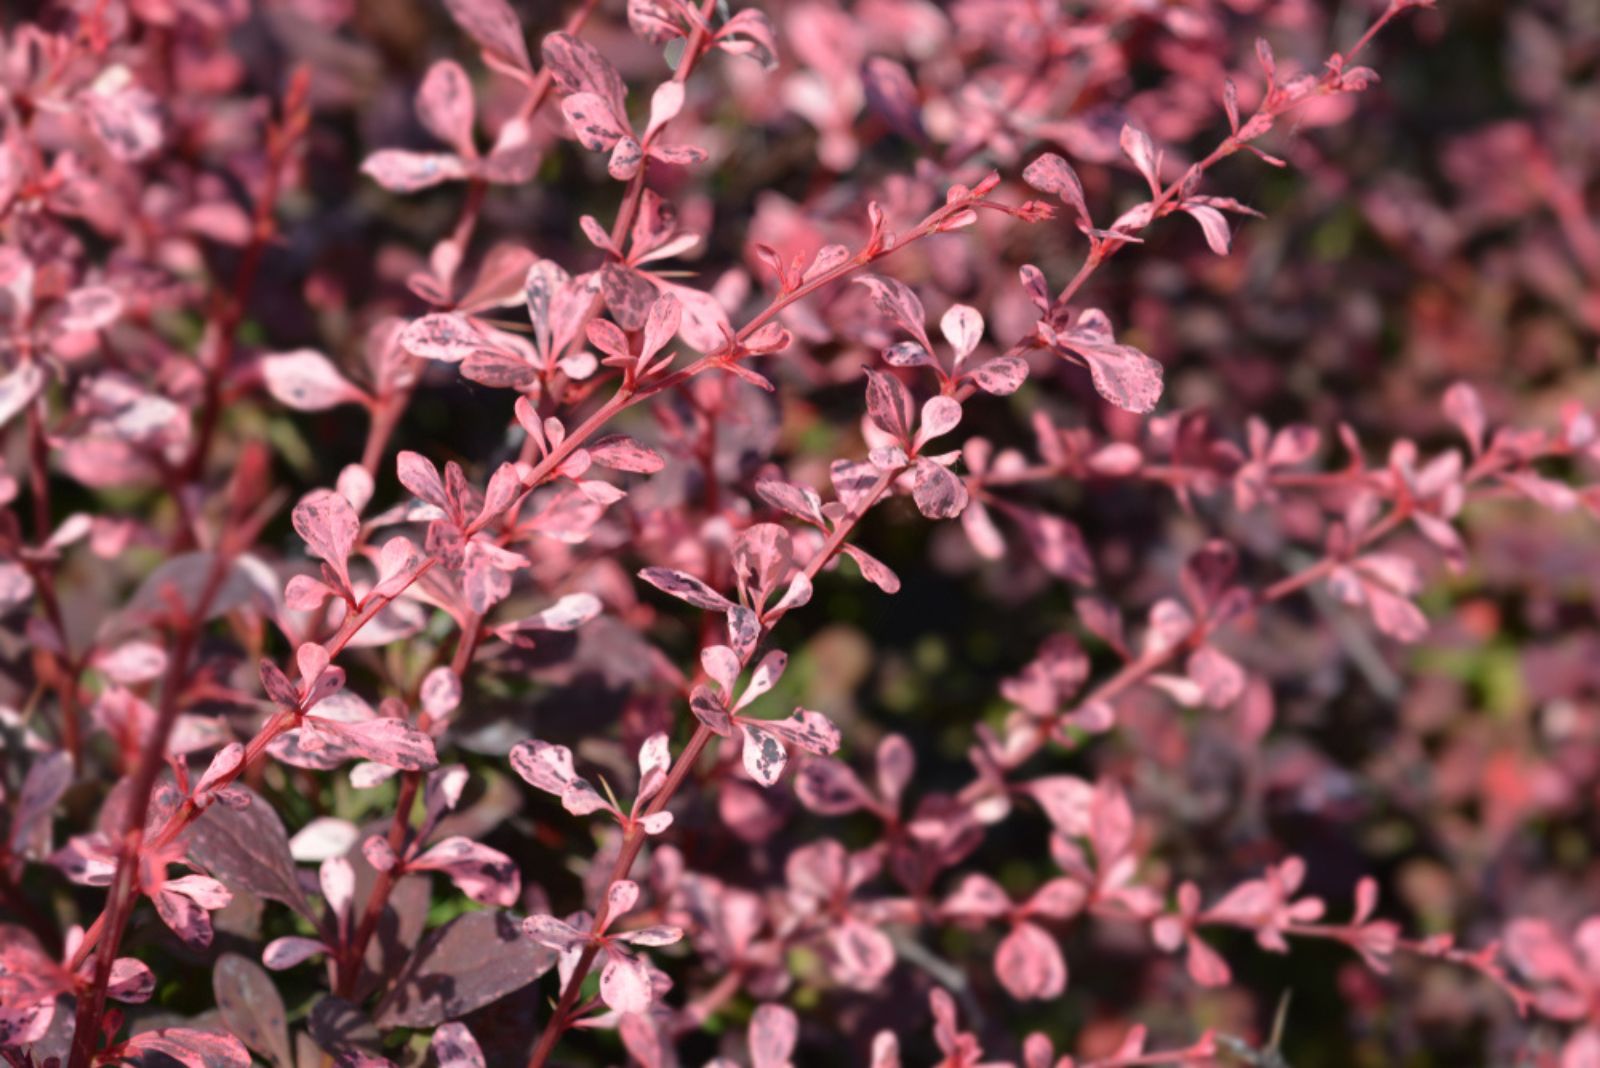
373 515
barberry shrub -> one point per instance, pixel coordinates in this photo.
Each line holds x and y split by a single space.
996 532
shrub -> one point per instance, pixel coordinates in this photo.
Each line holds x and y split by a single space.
428 452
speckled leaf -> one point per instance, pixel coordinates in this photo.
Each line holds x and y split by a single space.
251 1007
473 960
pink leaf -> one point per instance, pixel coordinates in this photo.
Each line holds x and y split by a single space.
896 762
661 325
1395 615
127 118
768 340
1218 236
558 935
1058 899
1052 174
454 1047
337 878
625 984
418 475
91 308
1464 408
873 570
621 897
893 95
223 765
251 1008
383 740
853 481
543 282
18 388
1067 802
578 67
907 354
774 1030
48 778
678 155
665 103
940 415
1545 492
400 171
1132 1044
686 587
765 676
1122 374
762 556
938 493
889 405
749 33
655 759
494 26
307 381
864 956
764 755
132 981
622 453
1029 964
829 788
609 339
811 731
543 765
505 486
744 630
191 1048
567 614
657 21
629 295
722 665
704 322
977 897
451 974
802 502
1001 376
594 124
445 105
322 838
1136 143
183 905
896 300
1205 965
485 875
656 822
442 336
981 531
440 692
829 258
1220 677
710 711
329 527
963 328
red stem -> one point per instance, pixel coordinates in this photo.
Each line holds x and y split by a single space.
124 893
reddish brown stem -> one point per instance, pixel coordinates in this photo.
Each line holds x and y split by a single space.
1163 204
349 968
229 305
124 893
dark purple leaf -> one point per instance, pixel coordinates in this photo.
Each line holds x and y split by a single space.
251 1007
247 850
473 960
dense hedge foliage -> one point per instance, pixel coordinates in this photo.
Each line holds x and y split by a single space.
834 531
